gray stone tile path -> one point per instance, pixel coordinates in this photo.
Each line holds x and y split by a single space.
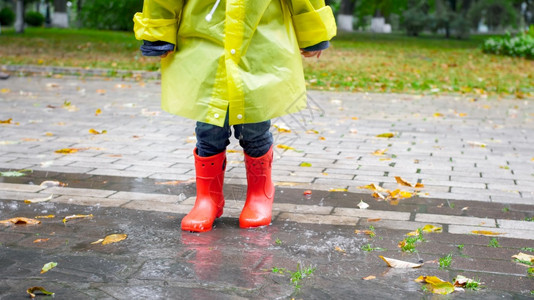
475 157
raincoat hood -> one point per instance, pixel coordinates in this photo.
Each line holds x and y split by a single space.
234 57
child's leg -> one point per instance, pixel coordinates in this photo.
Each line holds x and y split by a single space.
210 164
257 142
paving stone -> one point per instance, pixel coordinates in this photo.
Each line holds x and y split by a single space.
504 232
317 219
445 219
12 187
514 224
371 214
77 192
146 197
90 201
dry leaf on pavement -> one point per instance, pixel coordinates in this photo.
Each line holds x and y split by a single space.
399 264
39 200
32 291
48 266
20 221
114 238
72 217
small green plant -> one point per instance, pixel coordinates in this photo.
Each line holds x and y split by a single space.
530 272
529 249
494 243
445 262
460 247
473 285
409 243
505 209
451 204
369 248
425 289
34 18
529 219
300 274
278 270
525 262
372 233
278 241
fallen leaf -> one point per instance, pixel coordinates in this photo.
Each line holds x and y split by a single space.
419 185
32 291
49 134
355 118
338 249
366 232
45 217
285 147
51 183
67 151
39 200
98 111
402 181
436 285
234 151
48 266
305 164
40 240
363 205
476 144
524 257
72 217
380 152
370 277
438 115
8 121
461 281
312 131
20 221
378 195
114 238
338 190
176 182
282 128
93 131
5 90
101 91
97 242
486 232
399 264
374 220
387 135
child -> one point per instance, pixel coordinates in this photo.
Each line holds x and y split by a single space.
233 63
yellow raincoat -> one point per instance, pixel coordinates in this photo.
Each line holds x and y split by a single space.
242 58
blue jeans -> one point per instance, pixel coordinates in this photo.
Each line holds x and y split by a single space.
255 138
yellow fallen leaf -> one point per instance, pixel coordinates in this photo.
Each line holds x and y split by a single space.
49 134
20 221
419 185
370 277
438 115
398 194
462 115
67 151
93 131
338 249
281 128
98 111
114 238
338 190
48 266
373 219
305 164
399 264
8 121
42 291
355 118
380 152
39 200
40 240
101 91
5 90
387 135
285 147
45 217
72 217
378 196
486 232
234 151
402 181
312 131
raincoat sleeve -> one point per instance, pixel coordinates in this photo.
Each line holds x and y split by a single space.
159 20
314 21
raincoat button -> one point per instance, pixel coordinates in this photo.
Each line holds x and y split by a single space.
232 51
240 116
216 116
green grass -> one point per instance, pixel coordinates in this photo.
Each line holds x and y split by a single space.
445 262
355 62
494 243
409 243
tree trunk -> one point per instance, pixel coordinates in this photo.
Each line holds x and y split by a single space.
345 17
19 21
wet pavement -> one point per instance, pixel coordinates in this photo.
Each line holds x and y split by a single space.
474 156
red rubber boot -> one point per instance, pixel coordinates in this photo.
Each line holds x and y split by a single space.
210 200
260 191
